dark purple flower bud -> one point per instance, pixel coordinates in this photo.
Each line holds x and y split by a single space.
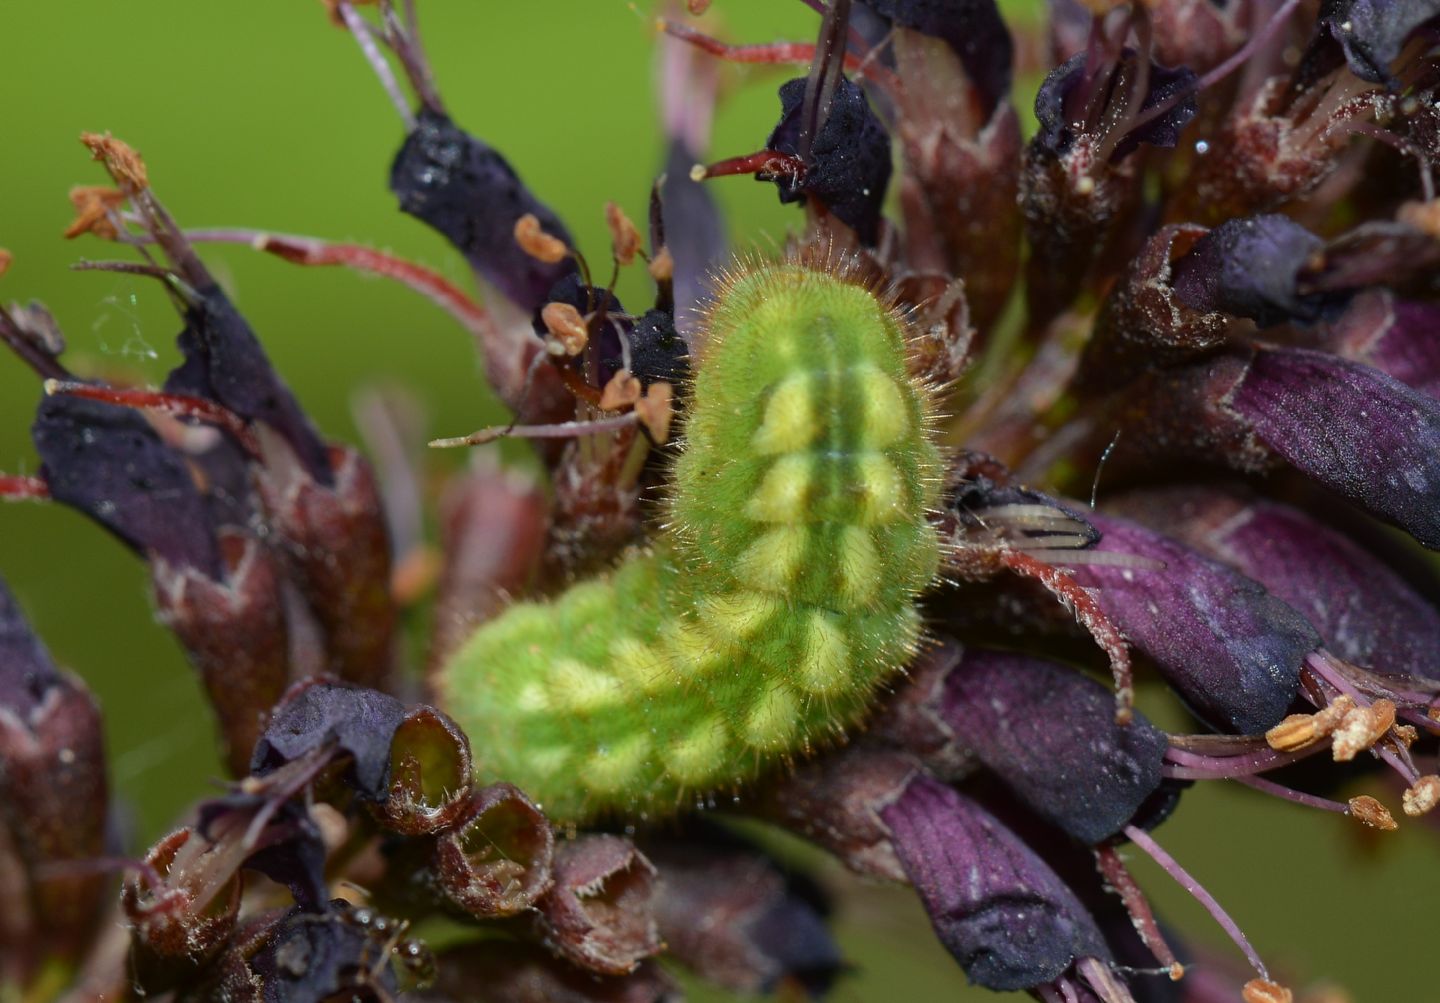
338 546
447 178
233 630
497 860
1006 916
354 721
429 774
522 973
972 28
1228 647
1067 99
1366 612
657 352
107 462
845 165
1393 335
728 913
493 526
54 798
599 912
1249 268
1049 733
1370 33
338 954
1359 432
223 362
1144 323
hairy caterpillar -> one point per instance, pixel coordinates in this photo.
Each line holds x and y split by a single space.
780 595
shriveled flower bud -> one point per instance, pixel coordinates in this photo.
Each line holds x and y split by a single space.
598 913
497 859
429 774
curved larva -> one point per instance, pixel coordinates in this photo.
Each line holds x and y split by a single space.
780 596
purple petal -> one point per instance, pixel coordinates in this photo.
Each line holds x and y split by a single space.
223 362
1366 612
1049 733
848 168
972 28
1371 33
694 233
1249 267
1005 915
1067 91
358 721
107 462
1361 433
467 191
1228 647
1395 336
26 670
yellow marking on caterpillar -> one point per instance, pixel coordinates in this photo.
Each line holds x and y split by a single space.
772 720
784 492
878 488
885 417
859 565
691 757
771 562
790 421
612 769
825 664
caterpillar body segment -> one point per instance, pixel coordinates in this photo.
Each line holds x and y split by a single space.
779 596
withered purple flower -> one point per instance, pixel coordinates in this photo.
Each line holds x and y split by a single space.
1203 296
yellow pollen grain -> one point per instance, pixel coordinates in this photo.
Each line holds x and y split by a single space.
790 423
770 563
691 760
639 664
611 769
885 418
783 494
859 566
738 616
879 489
773 720
825 663
580 688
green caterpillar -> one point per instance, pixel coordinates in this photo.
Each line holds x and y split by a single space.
780 595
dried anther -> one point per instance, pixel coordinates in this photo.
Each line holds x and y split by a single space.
1422 796
1368 811
567 329
534 241
94 208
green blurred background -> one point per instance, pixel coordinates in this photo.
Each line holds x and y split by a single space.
260 114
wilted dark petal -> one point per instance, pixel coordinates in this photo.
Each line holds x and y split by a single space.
1371 33
497 860
291 852
233 631
1393 335
599 913
1228 647
1060 96
1378 253
694 233
356 721
1007 917
338 545
54 797
429 774
223 362
1049 733
728 912
973 28
323 956
657 352
848 167
1359 432
1366 612
1249 267
1144 323
107 462
467 191
522 973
